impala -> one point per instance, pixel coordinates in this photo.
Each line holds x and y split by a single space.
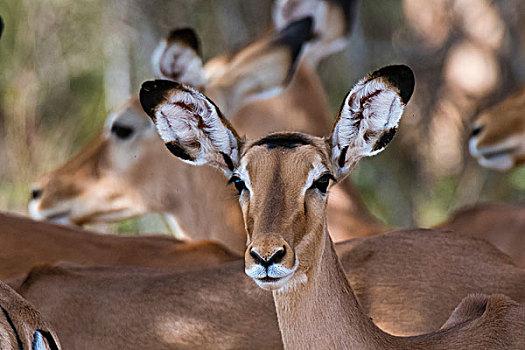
498 134
21 326
109 179
283 181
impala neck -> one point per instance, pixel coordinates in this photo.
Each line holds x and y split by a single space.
323 313
202 203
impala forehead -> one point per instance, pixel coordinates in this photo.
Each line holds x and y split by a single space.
297 166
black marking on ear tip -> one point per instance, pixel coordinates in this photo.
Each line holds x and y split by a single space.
175 148
385 139
187 36
342 157
401 76
349 8
295 35
153 92
1 26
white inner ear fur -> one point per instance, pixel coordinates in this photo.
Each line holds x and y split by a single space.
178 62
176 123
370 109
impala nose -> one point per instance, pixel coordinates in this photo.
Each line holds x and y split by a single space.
36 193
274 258
270 262
476 130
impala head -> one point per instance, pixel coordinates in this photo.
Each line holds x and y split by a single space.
108 180
283 179
99 184
498 134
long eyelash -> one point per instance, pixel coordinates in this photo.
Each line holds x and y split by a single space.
330 176
233 178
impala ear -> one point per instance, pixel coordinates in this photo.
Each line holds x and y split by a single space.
1 26
191 126
370 115
260 70
333 23
178 58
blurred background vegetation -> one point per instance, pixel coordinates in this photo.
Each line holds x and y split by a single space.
66 63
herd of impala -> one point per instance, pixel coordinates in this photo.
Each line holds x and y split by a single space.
254 265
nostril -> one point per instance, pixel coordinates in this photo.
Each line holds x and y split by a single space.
36 193
476 130
278 256
275 258
258 259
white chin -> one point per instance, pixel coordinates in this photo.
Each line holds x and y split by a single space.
472 147
501 162
34 212
64 220
274 284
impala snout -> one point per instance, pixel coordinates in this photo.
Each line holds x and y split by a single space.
270 263
36 193
41 208
491 152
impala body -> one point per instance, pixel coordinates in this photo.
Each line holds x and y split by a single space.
403 280
26 243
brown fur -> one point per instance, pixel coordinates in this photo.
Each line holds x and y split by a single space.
26 243
19 320
155 310
397 278
503 120
502 224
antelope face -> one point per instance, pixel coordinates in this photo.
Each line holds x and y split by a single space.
283 181
498 135
283 178
102 182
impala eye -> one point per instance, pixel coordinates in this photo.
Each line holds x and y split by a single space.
121 131
322 183
239 184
